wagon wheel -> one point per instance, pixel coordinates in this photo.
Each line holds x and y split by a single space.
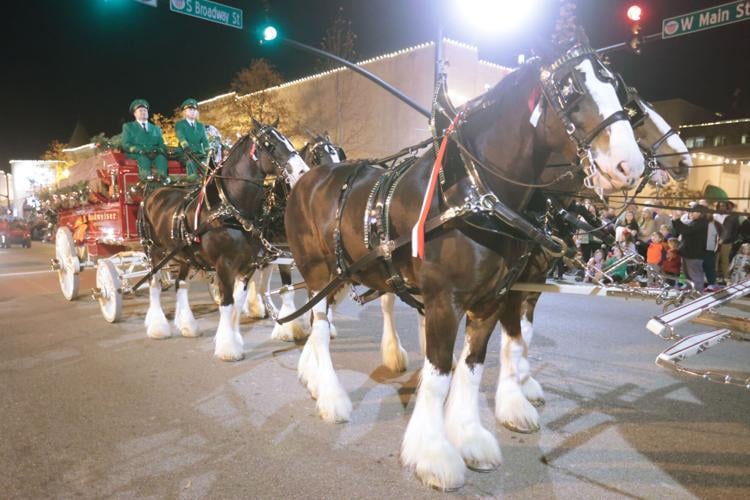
213 289
110 291
68 264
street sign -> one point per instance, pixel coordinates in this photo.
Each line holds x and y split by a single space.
150 3
208 11
699 20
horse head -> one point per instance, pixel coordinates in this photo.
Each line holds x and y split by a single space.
276 154
580 102
321 150
666 153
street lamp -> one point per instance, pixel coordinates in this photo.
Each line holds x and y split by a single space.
498 16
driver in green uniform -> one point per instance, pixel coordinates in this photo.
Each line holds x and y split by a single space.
143 142
192 137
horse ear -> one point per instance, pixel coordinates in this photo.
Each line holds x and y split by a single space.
309 133
342 155
276 123
256 124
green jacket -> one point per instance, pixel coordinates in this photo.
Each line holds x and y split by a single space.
135 140
193 137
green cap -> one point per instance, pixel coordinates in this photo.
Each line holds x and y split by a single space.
138 103
189 103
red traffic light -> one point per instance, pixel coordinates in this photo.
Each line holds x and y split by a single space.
634 13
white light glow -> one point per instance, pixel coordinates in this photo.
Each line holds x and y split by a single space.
498 16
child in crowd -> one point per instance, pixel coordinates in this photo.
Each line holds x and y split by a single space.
739 269
594 266
628 243
672 262
620 273
655 254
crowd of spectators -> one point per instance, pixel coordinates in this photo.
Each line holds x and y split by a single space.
708 244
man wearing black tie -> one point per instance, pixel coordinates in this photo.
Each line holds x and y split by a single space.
143 142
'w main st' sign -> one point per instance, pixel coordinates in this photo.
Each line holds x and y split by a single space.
699 20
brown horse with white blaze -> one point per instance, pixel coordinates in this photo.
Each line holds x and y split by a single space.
464 265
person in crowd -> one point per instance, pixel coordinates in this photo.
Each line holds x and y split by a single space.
628 244
627 223
646 227
619 273
730 228
666 232
655 255
594 266
713 238
662 218
672 264
191 134
143 142
694 232
740 266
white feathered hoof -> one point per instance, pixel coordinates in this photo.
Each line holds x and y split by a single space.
157 326
479 449
395 357
254 307
334 333
533 392
229 353
515 412
437 464
289 332
187 325
334 405
307 370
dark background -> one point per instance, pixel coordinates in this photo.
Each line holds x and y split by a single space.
83 61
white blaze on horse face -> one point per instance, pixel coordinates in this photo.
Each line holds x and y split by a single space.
614 150
332 153
296 168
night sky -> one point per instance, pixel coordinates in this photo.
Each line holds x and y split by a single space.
84 60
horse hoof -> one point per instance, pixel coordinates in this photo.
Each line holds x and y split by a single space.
230 357
335 407
533 392
190 333
158 331
442 473
396 361
517 414
482 467
158 335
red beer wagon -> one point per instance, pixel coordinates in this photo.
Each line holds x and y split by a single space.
103 234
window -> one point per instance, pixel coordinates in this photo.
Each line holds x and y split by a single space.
700 142
689 142
720 140
744 138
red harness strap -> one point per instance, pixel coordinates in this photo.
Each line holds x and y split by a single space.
417 232
534 97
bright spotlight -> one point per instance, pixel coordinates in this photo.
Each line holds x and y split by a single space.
634 13
498 16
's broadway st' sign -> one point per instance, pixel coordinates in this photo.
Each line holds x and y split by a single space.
208 11
705 19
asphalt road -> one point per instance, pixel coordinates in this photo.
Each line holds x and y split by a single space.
97 410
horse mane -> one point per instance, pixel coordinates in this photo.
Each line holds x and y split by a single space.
237 149
504 88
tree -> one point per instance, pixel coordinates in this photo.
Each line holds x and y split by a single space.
339 40
55 151
166 124
233 117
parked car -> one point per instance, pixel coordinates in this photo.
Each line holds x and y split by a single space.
15 233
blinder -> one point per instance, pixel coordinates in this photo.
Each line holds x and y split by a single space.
265 139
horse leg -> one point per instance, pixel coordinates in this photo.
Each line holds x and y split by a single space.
228 344
258 285
157 326
512 408
292 330
184 320
426 447
477 445
394 355
315 370
531 389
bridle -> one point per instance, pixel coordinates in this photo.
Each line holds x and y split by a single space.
563 91
266 139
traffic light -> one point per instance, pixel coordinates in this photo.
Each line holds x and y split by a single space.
634 14
268 33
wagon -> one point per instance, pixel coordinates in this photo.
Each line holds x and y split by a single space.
102 234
